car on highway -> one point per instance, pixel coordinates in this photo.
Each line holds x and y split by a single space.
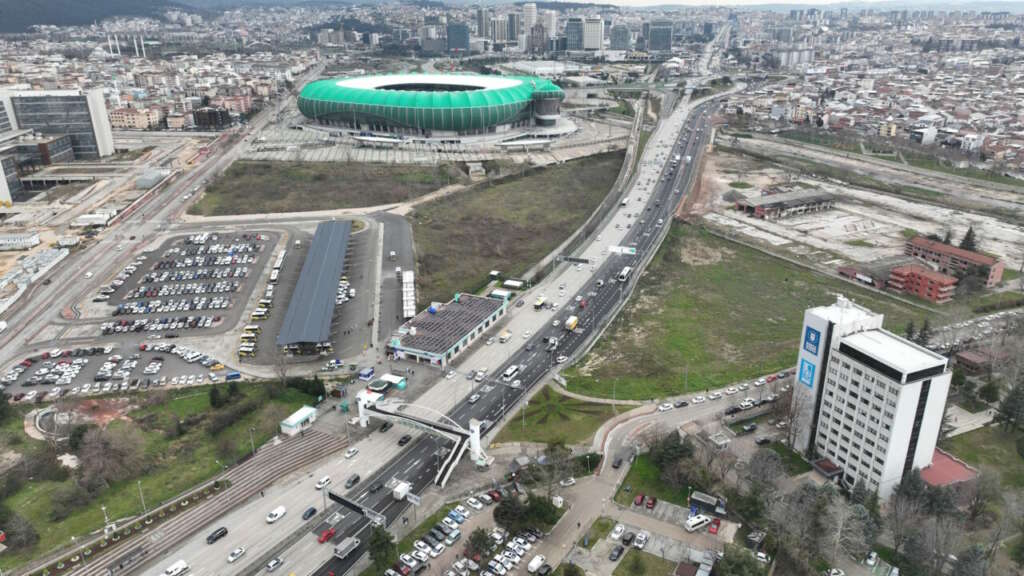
405 440
309 513
236 554
715 396
376 487
274 564
562 359
351 452
730 390
276 514
665 407
326 535
474 398
217 535
352 481
386 426
323 483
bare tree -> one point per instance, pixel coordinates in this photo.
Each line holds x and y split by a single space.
110 456
764 468
850 529
902 515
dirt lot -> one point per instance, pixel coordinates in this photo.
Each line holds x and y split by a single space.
508 226
257 187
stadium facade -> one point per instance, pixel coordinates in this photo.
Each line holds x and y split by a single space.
432 104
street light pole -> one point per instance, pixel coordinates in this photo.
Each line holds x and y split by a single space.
252 442
141 498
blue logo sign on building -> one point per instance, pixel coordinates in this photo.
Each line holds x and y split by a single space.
806 373
812 338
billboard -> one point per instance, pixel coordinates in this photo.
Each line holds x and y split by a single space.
806 374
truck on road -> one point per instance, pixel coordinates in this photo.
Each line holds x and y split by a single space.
401 490
346 546
571 322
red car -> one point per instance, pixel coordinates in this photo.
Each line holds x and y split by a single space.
713 528
771 378
495 495
639 500
583 303
401 568
326 535
651 502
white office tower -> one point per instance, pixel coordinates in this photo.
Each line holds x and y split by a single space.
550 22
593 33
867 400
529 16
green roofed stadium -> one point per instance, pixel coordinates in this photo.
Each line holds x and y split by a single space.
427 103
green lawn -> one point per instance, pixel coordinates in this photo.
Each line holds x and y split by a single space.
794 464
551 417
650 565
256 187
173 466
645 477
740 185
709 312
509 226
623 107
992 448
929 162
821 138
859 242
598 530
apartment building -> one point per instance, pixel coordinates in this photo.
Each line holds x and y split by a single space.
134 118
953 260
868 403
922 282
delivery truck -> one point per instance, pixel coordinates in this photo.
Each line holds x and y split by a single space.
401 490
346 546
571 322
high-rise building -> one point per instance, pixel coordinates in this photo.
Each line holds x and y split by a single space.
621 38
5 122
515 23
593 33
537 42
659 36
9 182
574 33
529 16
81 114
866 400
550 22
458 37
499 28
483 22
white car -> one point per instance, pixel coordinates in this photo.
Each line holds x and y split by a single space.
323 483
461 510
450 523
617 532
562 359
421 546
714 396
570 481
351 452
474 504
697 400
665 407
420 555
450 375
275 514
526 334
236 554
731 390
408 561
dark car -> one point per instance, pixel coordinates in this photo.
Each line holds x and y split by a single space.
628 538
616 552
750 427
681 403
404 440
309 513
617 463
386 426
436 534
376 487
762 440
352 481
217 535
544 570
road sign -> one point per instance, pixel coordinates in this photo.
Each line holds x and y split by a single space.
413 499
376 518
630 250
574 259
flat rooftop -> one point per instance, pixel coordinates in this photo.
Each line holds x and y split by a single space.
794 198
894 351
436 332
308 320
844 310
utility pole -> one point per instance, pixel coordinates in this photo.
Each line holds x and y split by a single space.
141 498
252 442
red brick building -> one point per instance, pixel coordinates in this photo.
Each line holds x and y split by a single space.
952 260
922 282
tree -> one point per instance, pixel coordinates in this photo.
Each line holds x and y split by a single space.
948 238
109 456
902 515
233 388
971 562
969 242
800 520
21 534
572 570
1011 409
216 401
6 410
982 493
381 546
908 330
479 541
925 333
511 514
851 529
989 392
859 494
958 379
737 561
670 449
764 469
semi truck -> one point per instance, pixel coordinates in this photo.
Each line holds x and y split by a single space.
571 322
401 490
346 546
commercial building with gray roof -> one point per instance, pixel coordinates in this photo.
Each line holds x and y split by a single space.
436 335
308 320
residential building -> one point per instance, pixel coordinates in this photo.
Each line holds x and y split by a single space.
955 261
81 114
134 118
499 29
211 118
514 22
659 37
922 282
458 37
529 16
868 404
22 241
574 33
537 41
550 21
483 21
593 33
888 129
621 38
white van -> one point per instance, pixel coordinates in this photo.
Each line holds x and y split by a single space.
177 569
694 523
535 564
275 514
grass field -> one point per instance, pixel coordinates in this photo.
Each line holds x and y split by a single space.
650 565
740 185
255 187
644 477
820 139
794 464
598 530
552 417
992 448
929 162
509 226
172 466
709 312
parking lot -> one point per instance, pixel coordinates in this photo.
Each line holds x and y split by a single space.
190 283
109 368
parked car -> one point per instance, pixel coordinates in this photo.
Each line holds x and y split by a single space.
616 552
639 499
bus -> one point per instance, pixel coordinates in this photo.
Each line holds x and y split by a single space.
252 329
273 276
624 275
539 303
266 303
258 314
247 350
248 337
510 373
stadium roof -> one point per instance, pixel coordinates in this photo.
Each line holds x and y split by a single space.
400 90
308 320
